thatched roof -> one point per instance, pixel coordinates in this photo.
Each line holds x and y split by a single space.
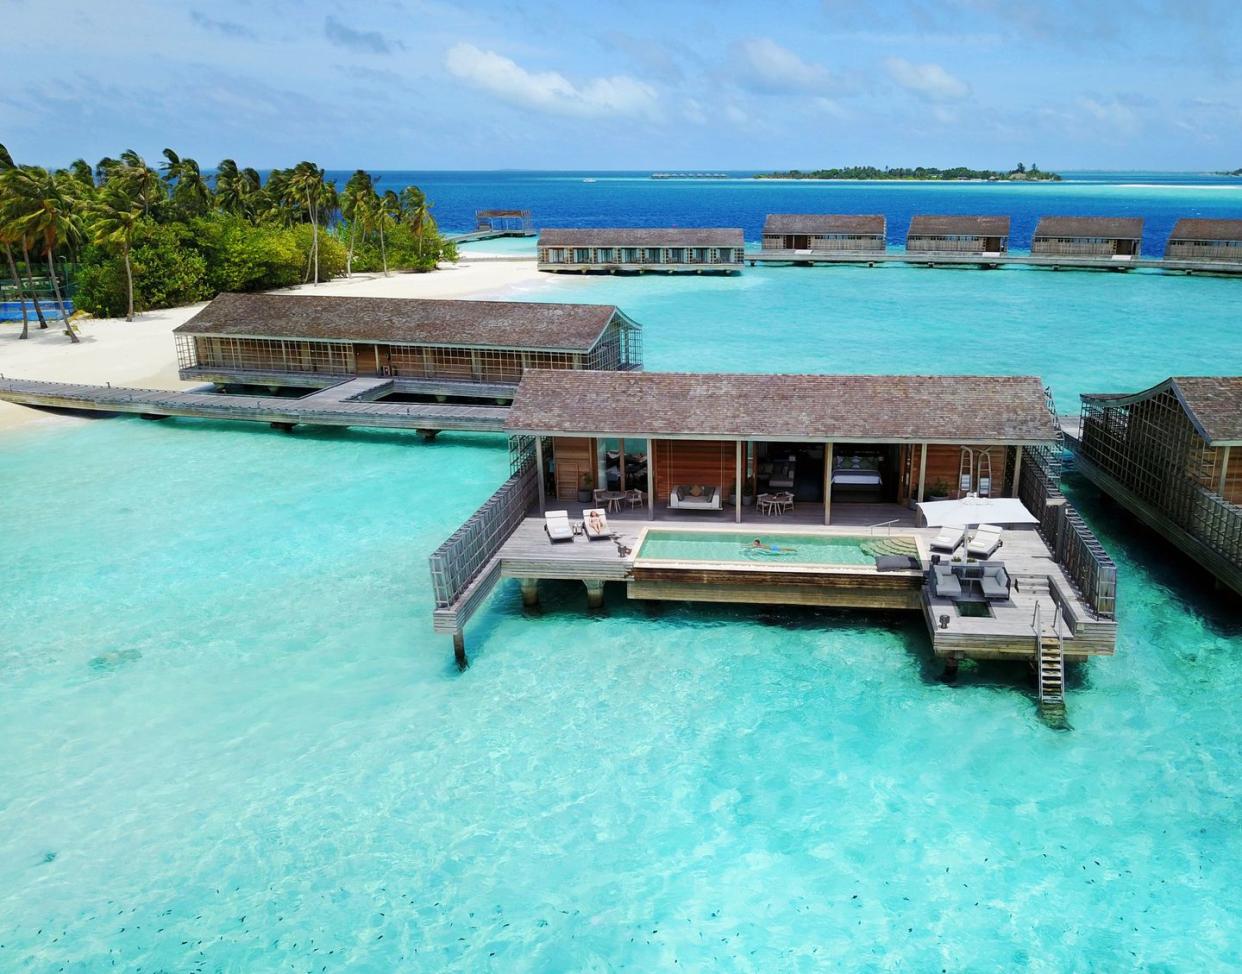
1213 404
643 237
1196 229
925 225
861 408
814 223
1113 228
409 321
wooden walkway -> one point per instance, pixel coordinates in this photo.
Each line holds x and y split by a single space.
754 257
328 407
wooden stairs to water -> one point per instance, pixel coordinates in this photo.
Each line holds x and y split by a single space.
1050 666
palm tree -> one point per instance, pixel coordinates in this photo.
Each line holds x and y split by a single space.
116 216
11 189
359 192
307 183
8 237
185 179
145 180
43 213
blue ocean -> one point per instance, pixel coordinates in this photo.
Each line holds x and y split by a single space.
633 199
233 743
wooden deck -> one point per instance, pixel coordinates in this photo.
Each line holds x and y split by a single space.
406 385
754 257
1006 633
340 405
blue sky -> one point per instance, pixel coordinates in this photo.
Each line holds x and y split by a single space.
427 84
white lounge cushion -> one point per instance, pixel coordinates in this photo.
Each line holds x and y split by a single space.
987 539
948 539
556 523
595 523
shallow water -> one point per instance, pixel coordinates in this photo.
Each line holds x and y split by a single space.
234 744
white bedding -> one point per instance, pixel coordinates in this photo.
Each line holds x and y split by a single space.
857 477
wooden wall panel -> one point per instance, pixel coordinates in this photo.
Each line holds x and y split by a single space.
944 463
574 455
688 462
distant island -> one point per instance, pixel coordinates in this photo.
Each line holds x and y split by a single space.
1020 173
1234 172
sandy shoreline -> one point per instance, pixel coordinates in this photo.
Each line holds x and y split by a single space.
141 353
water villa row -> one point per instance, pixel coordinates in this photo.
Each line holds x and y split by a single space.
929 494
811 238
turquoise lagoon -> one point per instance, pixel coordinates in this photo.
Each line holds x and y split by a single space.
232 742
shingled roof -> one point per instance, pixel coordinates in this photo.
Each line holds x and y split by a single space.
1196 229
925 225
912 408
486 324
1113 228
813 223
1213 403
643 237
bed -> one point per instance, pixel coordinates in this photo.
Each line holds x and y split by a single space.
856 471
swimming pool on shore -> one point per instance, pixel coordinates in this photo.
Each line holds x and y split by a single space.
775 548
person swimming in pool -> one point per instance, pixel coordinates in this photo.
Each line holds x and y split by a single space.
758 545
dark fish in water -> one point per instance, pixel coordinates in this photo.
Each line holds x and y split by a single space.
110 661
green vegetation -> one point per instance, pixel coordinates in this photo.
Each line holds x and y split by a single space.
143 239
1019 173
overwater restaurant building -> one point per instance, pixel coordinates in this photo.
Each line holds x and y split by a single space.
685 250
930 234
826 440
1172 455
1200 240
1087 236
515 223
450 347
824 232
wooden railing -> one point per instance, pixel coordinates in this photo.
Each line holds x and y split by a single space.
1214 521
1073 544
467 551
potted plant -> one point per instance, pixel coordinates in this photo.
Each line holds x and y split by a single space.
938 491
586 483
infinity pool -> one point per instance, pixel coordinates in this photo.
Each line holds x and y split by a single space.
775 548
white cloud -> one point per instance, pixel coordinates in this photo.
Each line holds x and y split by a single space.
551 91
772 69
929 81
1113 113
830 107
693 112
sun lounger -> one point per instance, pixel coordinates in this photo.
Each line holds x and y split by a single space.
556 524
945 582
595 524
948 539
986 539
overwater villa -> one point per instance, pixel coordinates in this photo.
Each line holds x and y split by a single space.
670 250
1167 454
514 223
1205 240
476 349
934 494
824 233
1087 236
983 235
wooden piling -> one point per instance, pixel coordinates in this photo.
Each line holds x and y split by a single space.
459 650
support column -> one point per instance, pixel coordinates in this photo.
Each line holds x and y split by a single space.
828 483
1017 472
621 466
595 593
650 482
1224 473
530 591
737 484
459 650
541 481
601 464
922 469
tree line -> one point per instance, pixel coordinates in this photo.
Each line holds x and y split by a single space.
142 238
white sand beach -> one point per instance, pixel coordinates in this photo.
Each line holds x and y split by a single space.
141 353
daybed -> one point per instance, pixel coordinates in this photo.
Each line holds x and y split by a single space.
695 498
